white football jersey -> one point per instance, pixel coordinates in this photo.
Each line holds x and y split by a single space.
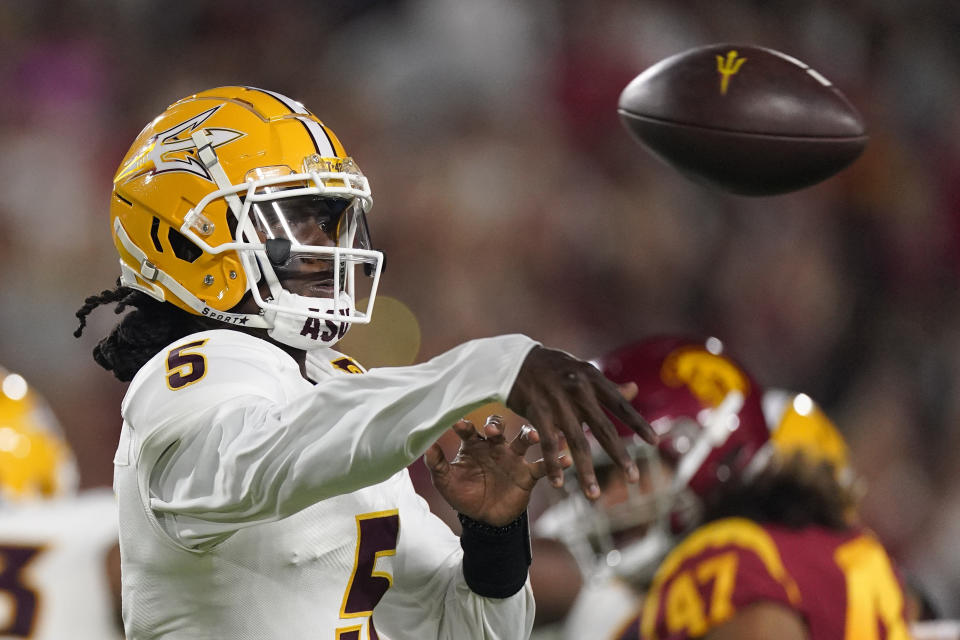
603 609
935 630
257 504
53 568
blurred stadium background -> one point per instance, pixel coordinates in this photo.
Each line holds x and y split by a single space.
509 199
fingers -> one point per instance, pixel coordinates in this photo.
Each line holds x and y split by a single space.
538 469
527 437
436 460
465 429
493 430
558 393
606 434
550 444
610 397
572 428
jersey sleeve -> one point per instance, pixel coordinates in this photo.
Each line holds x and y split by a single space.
237 447
430 598
717 570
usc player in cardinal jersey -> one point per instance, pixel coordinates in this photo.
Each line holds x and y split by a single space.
749 519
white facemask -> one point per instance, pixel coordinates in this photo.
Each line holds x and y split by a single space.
303 332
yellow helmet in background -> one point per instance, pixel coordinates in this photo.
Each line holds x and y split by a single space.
35 460
799 426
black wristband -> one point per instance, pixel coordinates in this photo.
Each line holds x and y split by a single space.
495 559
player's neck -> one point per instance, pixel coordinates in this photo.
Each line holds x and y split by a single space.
299 355
247 305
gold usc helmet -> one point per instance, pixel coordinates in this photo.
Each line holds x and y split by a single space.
220 192
799 426
35 460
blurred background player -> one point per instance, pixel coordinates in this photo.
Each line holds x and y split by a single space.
799 427
59 570
751 494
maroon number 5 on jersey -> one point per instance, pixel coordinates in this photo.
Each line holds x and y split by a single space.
184 366
377 535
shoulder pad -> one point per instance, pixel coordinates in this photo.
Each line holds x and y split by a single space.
206 369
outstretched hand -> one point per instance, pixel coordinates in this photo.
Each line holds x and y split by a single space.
489 480
559 394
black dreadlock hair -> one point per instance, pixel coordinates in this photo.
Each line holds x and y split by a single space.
140 334
795 492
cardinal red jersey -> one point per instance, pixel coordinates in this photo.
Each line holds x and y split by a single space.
842 584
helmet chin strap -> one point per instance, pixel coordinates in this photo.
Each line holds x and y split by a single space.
148 277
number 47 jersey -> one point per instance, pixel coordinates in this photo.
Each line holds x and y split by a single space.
842 583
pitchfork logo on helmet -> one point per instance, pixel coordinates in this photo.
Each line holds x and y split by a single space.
232 193
175 150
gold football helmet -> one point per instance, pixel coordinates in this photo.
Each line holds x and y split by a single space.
798 426
35 460
225 188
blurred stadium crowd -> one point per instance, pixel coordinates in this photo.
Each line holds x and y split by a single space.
509 199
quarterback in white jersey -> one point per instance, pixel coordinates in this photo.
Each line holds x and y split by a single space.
264 526
263 493
55 543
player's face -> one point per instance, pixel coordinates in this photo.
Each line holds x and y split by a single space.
306 220
632 508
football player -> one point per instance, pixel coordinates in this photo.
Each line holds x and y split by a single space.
261 474
56 545
759 531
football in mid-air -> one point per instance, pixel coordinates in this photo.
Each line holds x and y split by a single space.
743 118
